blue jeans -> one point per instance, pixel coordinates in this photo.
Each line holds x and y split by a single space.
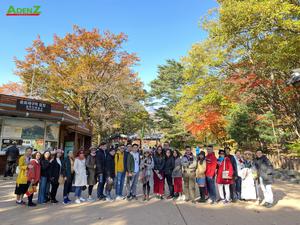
211 188
42 190
78 191
120 183
100 188
238 187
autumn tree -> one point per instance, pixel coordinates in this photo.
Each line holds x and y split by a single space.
86 70
12 88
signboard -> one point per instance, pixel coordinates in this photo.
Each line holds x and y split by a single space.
33 106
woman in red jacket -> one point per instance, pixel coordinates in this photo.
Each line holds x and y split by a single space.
224 176
33 176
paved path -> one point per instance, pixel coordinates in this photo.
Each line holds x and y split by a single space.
154 212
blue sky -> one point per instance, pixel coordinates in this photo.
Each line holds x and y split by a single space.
157 29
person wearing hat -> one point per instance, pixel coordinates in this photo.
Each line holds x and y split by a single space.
224 176
147 165
91 171
200 175
110 173
248 175
55 173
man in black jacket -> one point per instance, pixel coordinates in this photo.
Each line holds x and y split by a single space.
109 173
265 177
233 194
101 154
12 155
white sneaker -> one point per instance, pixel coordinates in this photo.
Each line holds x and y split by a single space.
109 199
82 199
119 198
77 201
90 199
263 202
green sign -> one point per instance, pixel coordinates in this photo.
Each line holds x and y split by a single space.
33 11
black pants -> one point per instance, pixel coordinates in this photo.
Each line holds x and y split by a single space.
202 193
91 189
54 187
170 184
233 191
67 186
30 198
146 188
10 168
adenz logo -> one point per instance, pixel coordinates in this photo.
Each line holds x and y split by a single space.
34 11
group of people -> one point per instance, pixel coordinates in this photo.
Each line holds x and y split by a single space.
234 177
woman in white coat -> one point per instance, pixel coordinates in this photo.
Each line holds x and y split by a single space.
248 178
80 176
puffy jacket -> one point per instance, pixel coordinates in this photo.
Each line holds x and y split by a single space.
45 168
22 175
100 161
34 173
211 164
159 163
169 165
110 166
234 165
177 171
55 171
264 169
12 154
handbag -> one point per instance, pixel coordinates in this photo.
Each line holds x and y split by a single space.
225 173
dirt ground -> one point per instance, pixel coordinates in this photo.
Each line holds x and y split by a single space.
155 212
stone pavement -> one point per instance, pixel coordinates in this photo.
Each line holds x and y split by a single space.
155 212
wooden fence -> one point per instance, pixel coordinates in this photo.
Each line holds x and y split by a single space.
285 162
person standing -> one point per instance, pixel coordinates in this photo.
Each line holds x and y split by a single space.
22 183
45 177
12 154
147 165
177 176
120 167
238 180
168 169
68 174
33 176
55 174
248 175
211 166
189 164
224 176
133 166
159 176
265 178
232 186
200 175
91 171
110 173
80 176
100 170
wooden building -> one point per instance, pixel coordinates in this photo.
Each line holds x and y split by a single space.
41 125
